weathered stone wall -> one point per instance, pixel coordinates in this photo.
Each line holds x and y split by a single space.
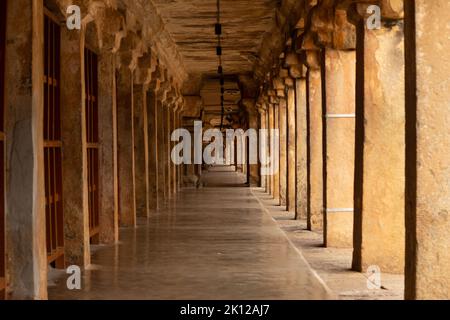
428 145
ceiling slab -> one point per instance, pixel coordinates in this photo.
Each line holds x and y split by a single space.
191 26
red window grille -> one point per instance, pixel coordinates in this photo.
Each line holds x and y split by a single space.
91 88
53 144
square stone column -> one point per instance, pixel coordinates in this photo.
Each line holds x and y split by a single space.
302 148
427 272
276 176
315 136
179 168
379 228
282 107
162 197
170 144
140 149
174 168
74 150
125 106
153 150
107 109
291 148
263 126
268 178
339 138
271 124
254 173
166 154
26 265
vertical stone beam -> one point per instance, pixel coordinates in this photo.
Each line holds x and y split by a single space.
74 160
140 149
291 146
340 147
147 155
428 148
160 152
167 161
153 150
276 177
127 202
180 167
107 108
254 169
169 149
282 120
379 231
235 157
268 177
25 205
271 123
315 135
263 126
302 148
174 168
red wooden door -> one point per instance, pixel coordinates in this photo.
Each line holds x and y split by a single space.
91 83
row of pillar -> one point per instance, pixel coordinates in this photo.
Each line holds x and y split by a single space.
344 125
139 106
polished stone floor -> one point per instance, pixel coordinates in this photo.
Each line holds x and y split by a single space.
212 243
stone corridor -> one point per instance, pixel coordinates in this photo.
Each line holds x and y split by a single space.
333 117
211 243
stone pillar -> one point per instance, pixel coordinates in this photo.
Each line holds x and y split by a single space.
173 126
268 178
302 148
282 120
109 188
179 168
153 150
160 152
140 149
428 148
74 160
271 122
170 145
25 205
245 159
239 166
165 137
147 155
263 126
276 176
315 135
379 229
291 146
339 139
127 202
254 169
169 149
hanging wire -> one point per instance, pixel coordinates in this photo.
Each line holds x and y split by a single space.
218 31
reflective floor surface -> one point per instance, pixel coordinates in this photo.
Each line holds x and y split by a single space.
212 243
